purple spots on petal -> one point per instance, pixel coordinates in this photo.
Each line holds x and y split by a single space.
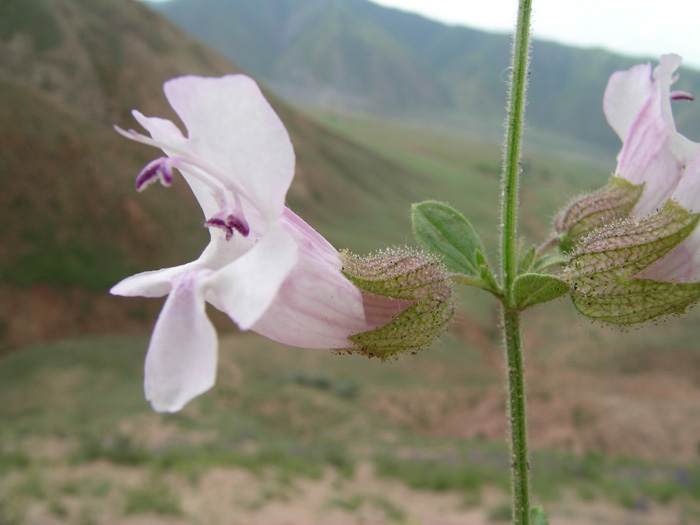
681 95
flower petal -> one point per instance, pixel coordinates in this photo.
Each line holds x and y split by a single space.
654 156
318 307
638 107
182 356
380 310
625 95
246 287
231 125
682 263
629 91
156 283
687 193
161 129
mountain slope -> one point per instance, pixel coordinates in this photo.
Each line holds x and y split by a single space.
72 223
358 55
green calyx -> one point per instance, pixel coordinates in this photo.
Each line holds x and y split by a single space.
602 270
418 280
613 202
626 302
624 248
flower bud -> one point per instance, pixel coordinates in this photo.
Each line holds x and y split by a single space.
418 283
613 202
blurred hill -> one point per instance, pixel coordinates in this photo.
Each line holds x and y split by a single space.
356 55
72 223
290 432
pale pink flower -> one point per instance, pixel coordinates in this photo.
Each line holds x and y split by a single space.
637 105
264 266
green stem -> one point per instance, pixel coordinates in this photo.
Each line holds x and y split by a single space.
516 110
520 467
511 317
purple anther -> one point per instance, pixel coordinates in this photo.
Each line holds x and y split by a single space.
240 225
159 169
681 95
220 223
229 225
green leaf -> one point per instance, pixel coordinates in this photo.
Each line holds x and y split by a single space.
486 274
443 231
534 288
526 260
538 516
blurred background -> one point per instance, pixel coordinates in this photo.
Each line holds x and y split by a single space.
385 108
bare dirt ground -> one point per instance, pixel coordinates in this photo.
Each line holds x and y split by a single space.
656 415
646 407
226 496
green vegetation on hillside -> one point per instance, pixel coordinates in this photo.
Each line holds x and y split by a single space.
86 444
464 171
78 443
33 18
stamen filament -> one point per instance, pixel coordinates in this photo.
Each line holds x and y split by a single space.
182 156
219 182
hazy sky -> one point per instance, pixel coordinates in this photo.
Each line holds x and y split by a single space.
631 27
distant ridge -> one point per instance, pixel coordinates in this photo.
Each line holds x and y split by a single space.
357 55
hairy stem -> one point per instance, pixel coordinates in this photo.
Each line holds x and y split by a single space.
520 479
516 110
509 268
